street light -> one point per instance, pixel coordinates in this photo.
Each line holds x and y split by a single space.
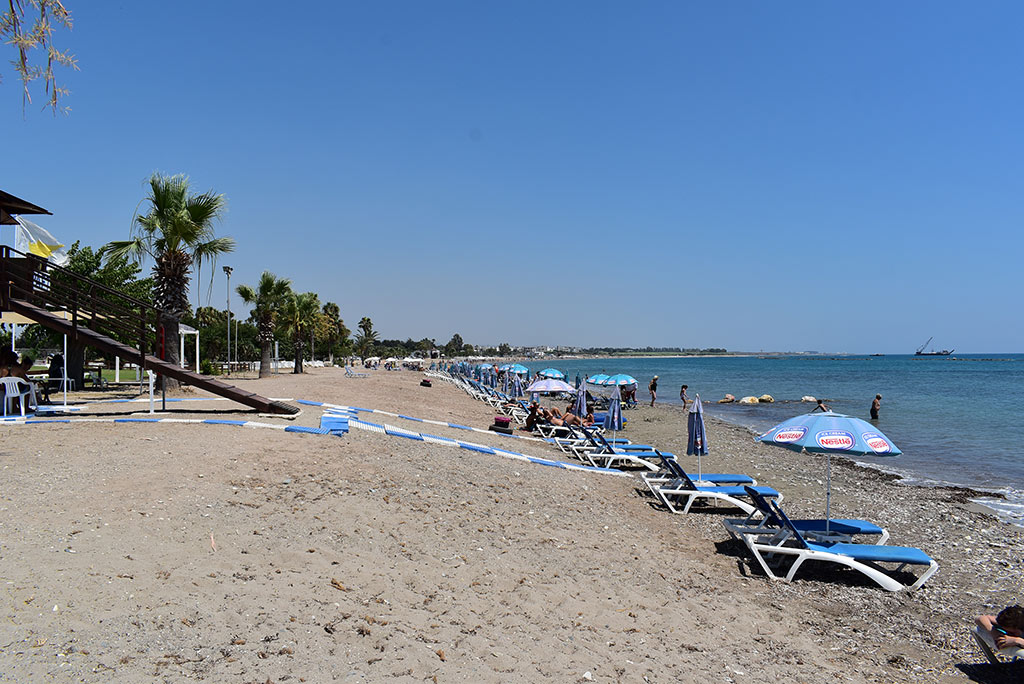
227 272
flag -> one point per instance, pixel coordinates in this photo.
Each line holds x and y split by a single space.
33 239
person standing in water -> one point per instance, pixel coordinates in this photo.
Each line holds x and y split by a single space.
875 405
683 397
653 389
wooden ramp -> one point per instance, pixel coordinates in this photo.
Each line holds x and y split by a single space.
112 346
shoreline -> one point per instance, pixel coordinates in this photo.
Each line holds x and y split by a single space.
231 554
970 494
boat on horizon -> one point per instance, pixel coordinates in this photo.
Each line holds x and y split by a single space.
931 352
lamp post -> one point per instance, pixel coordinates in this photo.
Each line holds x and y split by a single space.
227 272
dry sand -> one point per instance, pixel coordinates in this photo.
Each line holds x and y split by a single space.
170 552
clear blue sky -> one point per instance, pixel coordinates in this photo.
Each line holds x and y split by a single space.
750 175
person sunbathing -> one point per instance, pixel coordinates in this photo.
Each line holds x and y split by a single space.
555 417
1005 630
533 417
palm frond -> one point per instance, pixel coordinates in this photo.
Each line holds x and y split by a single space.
134 250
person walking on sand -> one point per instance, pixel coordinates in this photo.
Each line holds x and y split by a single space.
683 397
653 389
875 405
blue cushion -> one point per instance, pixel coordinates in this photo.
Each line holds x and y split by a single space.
874 552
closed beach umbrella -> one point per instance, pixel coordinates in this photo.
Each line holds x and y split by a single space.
549 386
579 406
696 436
517 387
613 419
830 433
578 381
552 373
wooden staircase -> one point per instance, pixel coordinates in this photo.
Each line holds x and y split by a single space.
101 317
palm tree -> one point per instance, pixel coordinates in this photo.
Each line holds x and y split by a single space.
175 232
298 317
336 332
366 338
269 295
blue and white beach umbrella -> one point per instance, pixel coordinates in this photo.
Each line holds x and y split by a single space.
519 369
620 380
552 373
696 435
549 386
613 419
517 387
830 433
579 406
578 381
597 380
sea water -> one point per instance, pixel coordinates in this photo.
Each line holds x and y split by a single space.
957 419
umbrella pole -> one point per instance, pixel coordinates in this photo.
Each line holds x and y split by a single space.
828 491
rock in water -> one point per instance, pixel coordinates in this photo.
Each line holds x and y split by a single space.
766 399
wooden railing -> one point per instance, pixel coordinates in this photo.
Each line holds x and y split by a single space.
80 300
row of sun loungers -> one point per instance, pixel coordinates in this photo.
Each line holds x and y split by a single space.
779 545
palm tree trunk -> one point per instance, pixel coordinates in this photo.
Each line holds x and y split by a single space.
298 354
170 347
265 358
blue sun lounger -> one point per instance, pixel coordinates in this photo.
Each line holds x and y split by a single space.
771 549
684 490
763 520
668 475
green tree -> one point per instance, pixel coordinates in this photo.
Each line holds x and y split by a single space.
177 230
116 273
335 332
298 318
208 315
367 337
29 26
504 349
267 298
454 346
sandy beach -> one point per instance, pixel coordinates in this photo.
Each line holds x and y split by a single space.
175 551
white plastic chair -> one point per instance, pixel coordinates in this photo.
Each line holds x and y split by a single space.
15 388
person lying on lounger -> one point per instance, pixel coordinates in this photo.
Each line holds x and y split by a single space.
533 417
556 417
1005 630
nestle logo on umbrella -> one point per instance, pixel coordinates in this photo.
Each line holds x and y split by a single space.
876 442
787 435
835 439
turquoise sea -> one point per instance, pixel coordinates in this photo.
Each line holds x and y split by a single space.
958 420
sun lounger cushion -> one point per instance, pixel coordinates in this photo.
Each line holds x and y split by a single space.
875 553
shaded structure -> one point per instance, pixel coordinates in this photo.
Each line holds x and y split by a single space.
98 316
9 204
